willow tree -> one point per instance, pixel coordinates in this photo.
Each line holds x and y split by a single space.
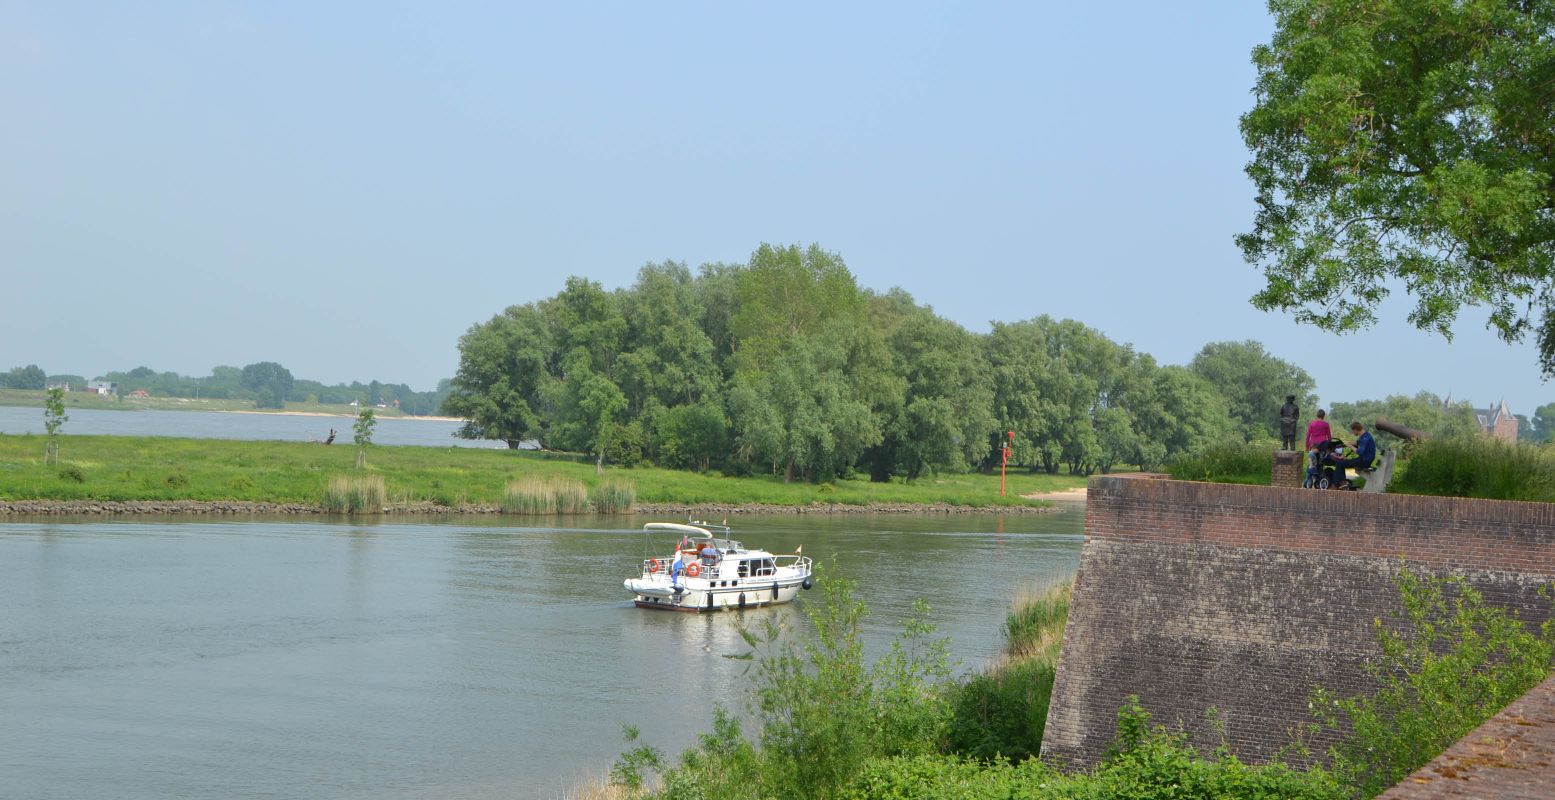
1407 144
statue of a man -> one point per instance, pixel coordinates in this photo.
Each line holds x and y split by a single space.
1289 413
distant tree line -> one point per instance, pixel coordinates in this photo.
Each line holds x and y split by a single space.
784 365
266 383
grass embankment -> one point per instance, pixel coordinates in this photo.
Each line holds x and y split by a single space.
121 468
30 398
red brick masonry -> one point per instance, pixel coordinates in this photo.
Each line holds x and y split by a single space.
1242 599
1510 757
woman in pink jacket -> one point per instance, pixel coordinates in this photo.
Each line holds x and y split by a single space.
1318 431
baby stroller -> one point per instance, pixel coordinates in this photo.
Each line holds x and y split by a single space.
1322 471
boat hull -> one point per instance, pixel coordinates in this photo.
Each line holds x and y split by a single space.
753 595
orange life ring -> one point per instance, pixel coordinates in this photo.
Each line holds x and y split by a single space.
693 569
653 565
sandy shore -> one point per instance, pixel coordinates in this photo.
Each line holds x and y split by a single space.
1077 493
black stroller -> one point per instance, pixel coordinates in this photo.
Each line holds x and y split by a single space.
1322 471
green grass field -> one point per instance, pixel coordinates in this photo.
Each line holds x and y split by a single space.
154 468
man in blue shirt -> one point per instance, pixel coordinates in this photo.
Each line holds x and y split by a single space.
1365 451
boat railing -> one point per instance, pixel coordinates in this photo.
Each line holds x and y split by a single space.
802 563
661 566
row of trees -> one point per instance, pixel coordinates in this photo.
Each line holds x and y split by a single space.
785 364
266 383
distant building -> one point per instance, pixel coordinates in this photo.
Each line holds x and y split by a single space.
140 393
63 386
101 387
1497 422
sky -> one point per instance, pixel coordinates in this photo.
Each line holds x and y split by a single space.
346 188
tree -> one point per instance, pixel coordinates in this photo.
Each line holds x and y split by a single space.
1254 383
1407 143
503 378
53 418
1424 412
270 382
362 431
29 377
1544 422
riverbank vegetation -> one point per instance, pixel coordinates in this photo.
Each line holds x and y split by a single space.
96 402
1478 467
156 468
827 724
785 366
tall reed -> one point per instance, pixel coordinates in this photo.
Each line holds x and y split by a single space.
355 494
537 495
1478 467
614 496
1224 463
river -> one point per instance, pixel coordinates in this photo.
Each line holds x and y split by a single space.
465 658
232 425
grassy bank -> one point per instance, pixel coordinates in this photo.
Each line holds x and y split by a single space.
34 399
154 468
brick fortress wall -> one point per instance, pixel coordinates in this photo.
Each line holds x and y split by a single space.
1242 598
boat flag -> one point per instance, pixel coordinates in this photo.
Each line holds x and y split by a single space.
798 550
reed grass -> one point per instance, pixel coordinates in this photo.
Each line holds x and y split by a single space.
1035 627
1231 462
614 496
545 495
355 494
1478 467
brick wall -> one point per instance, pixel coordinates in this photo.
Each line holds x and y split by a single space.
1242 598
1287 469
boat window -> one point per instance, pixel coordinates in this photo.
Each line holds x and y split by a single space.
768 567
745 569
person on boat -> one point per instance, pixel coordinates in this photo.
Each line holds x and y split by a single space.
709 554
675 568
1318 431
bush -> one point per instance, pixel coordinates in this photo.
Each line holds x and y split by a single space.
355 494
1451 663
1478 467
536 495
1224 463
614 497
72 473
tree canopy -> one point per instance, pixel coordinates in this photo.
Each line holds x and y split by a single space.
784 365
1407 144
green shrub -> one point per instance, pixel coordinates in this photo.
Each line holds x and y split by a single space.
614 496
72 473
537 495
1449 663
1224 463
1478 467
355 494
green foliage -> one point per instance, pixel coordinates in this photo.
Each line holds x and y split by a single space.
1424 411
1406 144
545 495
355 494
72 472
1478 466
29 377
53 418
362 428
1255 384
1146 763
614 496
822 711
1228 462
270 382
1449 662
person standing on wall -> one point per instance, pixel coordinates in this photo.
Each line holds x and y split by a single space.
1289 413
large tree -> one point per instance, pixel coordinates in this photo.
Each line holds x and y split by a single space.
28 377
270 382
1407 143
1255 384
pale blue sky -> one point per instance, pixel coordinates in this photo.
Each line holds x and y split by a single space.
346 188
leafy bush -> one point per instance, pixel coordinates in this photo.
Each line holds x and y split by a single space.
355 494
72 473
1478 467
614 496
537 495
1224 463
1452 664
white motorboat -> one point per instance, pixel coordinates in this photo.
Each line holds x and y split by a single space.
708 571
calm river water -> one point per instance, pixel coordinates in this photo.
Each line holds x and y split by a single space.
220 425
432 658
